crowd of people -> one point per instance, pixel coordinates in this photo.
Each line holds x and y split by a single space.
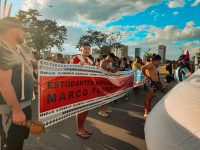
17 81
150 70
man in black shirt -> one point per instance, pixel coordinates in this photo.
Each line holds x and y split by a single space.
16 85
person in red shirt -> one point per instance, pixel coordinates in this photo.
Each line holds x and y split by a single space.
83 59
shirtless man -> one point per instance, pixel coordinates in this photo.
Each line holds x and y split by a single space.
106 65
151 73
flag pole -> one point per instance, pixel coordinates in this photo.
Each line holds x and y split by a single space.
0 9
4 9
9 12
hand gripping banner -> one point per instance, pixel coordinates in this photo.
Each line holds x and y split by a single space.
68 89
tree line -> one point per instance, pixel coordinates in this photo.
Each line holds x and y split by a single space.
44 34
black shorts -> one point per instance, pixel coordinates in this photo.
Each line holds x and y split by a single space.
16 134
153 86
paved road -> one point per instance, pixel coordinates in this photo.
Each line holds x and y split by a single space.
123 130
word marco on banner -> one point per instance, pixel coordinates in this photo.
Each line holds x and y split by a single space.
68 89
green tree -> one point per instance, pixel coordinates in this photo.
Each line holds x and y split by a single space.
197 55
193 59
148 54
104 42
42 35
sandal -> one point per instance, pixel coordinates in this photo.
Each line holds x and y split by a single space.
104 114
88 132
83 135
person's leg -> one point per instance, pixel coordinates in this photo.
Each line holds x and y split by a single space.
147 105
102 111
102 107
84 119
85 114
80 120
21 145
107 109
15 144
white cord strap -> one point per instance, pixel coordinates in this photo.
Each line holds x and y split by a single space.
22 80
80 57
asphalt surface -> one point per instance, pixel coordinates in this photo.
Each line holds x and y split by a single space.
123 130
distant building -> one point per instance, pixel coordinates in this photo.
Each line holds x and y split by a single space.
162 52
121 52
137 52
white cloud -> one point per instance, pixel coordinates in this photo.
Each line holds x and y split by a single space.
73 35
190 24
80 15
172 52
39 4
97 12
69 24
195 3
176 3
173 33
168 35
175 13
172 36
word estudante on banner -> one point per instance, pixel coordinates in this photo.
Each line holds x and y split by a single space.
68 89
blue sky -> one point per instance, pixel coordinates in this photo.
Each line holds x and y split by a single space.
144 23
161 15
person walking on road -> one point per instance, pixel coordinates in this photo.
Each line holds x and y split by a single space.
151 73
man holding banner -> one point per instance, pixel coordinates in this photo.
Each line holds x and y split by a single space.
83 59
106 65
69 89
